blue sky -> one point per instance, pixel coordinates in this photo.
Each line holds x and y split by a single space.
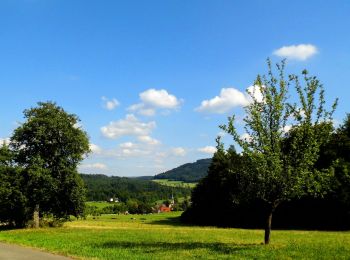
137 72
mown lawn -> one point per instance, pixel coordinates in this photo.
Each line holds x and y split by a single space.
161 236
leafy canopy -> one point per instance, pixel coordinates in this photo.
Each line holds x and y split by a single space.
284 136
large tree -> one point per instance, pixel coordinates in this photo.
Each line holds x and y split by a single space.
49 146
285 136
12 198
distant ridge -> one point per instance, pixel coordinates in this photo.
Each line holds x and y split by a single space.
189 172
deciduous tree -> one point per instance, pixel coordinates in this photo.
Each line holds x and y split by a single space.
49 146
284 139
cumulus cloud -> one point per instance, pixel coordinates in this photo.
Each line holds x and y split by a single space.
141 109
178 151
207 149
148 140
255 92
130 126
127 149
228 99
153 99
110 104
96 166
95 148
4 141
296 52
127 145
246 137
159 98
286 128
130 149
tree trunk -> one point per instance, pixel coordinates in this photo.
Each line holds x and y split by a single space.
268 223
268 227
36 217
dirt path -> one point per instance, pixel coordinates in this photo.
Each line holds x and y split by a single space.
13 252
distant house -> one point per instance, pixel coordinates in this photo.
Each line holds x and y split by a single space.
160 208
164 208
116 200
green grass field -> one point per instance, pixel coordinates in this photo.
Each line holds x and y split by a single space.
171 183
99 204
161 236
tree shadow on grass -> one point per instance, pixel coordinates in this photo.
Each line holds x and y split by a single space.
6 227
152 247
169 221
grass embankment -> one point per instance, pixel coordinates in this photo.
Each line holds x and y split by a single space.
163 237
179 184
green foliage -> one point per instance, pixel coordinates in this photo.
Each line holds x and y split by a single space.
220 199
189 172
102 188
12 199
282 162
336 153
48 146
52 135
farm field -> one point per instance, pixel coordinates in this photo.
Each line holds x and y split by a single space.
172 183
162 236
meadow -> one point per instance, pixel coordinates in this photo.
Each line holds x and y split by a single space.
179 184
162 236
99 204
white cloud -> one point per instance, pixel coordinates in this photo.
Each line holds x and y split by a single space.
141 109
133 152
78 125
286 128
148 140
222 134
159 98
95 148
255 92
96 166
246 137
297 52
153 99
130 149
4 140
228 99
207 149
127 145
110 104
130 126
178 151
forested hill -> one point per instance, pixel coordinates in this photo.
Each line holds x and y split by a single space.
101 187
189 172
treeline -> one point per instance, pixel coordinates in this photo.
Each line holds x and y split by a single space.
218 198
189 172
102 187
